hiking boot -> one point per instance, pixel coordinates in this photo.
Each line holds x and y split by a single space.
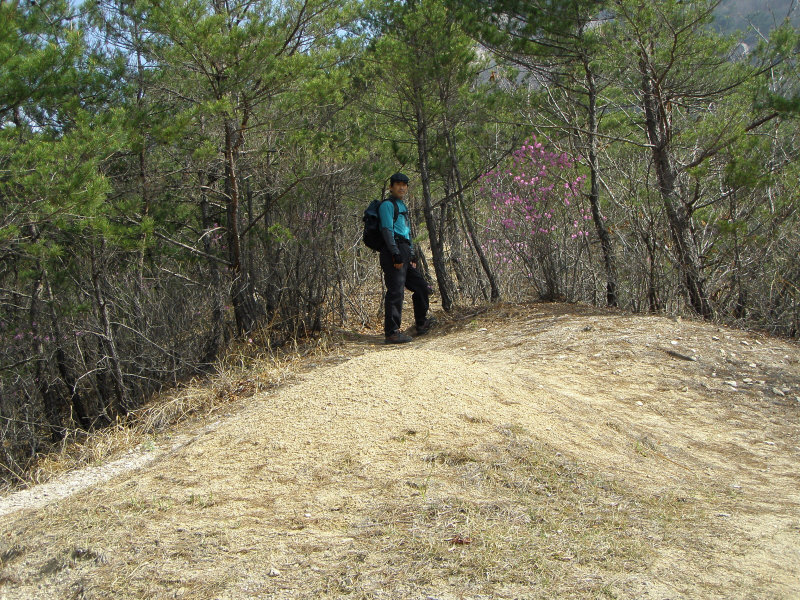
398 338
426 326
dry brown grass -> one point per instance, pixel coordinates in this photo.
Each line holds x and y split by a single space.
250 366
515 453
507 518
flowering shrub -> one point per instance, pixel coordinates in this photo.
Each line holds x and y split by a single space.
535 213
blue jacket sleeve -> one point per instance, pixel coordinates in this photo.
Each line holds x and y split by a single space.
386 213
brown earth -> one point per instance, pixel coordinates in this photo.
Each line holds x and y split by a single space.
538 451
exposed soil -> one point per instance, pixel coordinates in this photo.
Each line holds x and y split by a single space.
539 451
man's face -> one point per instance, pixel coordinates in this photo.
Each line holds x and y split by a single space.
399 189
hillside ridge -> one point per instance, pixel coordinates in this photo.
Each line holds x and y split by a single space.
529 451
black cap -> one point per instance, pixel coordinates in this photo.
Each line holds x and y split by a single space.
398 177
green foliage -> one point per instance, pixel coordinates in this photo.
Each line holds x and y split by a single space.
53 143
746 167
541 29
206 149
780 87
425 73
280 233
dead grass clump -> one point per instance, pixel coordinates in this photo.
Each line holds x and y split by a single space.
513 514
80 449
450 457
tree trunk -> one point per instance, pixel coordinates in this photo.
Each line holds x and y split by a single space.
144 187
450 231
679 213
245 306
81 412
335 241
51 400
653 302
119 396
487 269
609 259
215 339
437 251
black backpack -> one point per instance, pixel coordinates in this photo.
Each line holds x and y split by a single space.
373 238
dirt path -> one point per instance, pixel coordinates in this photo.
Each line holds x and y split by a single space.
530 452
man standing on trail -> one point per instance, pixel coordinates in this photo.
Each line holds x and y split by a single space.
399 265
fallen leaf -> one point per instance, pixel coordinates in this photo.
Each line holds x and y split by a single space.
459 539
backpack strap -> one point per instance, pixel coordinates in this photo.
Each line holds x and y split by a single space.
396 208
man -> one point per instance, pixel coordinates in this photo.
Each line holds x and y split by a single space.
399 265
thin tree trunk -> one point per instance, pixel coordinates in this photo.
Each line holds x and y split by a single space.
437 251
143 183
335 240
653 302
609 259
119 398
679 213
50 398
80 409
487 269
215 340
451 232
245 306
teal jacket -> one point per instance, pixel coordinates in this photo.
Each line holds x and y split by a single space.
391 228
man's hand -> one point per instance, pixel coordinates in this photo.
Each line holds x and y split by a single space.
398 261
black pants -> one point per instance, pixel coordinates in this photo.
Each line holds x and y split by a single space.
396 280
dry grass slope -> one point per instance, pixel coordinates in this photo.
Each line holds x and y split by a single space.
539 451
